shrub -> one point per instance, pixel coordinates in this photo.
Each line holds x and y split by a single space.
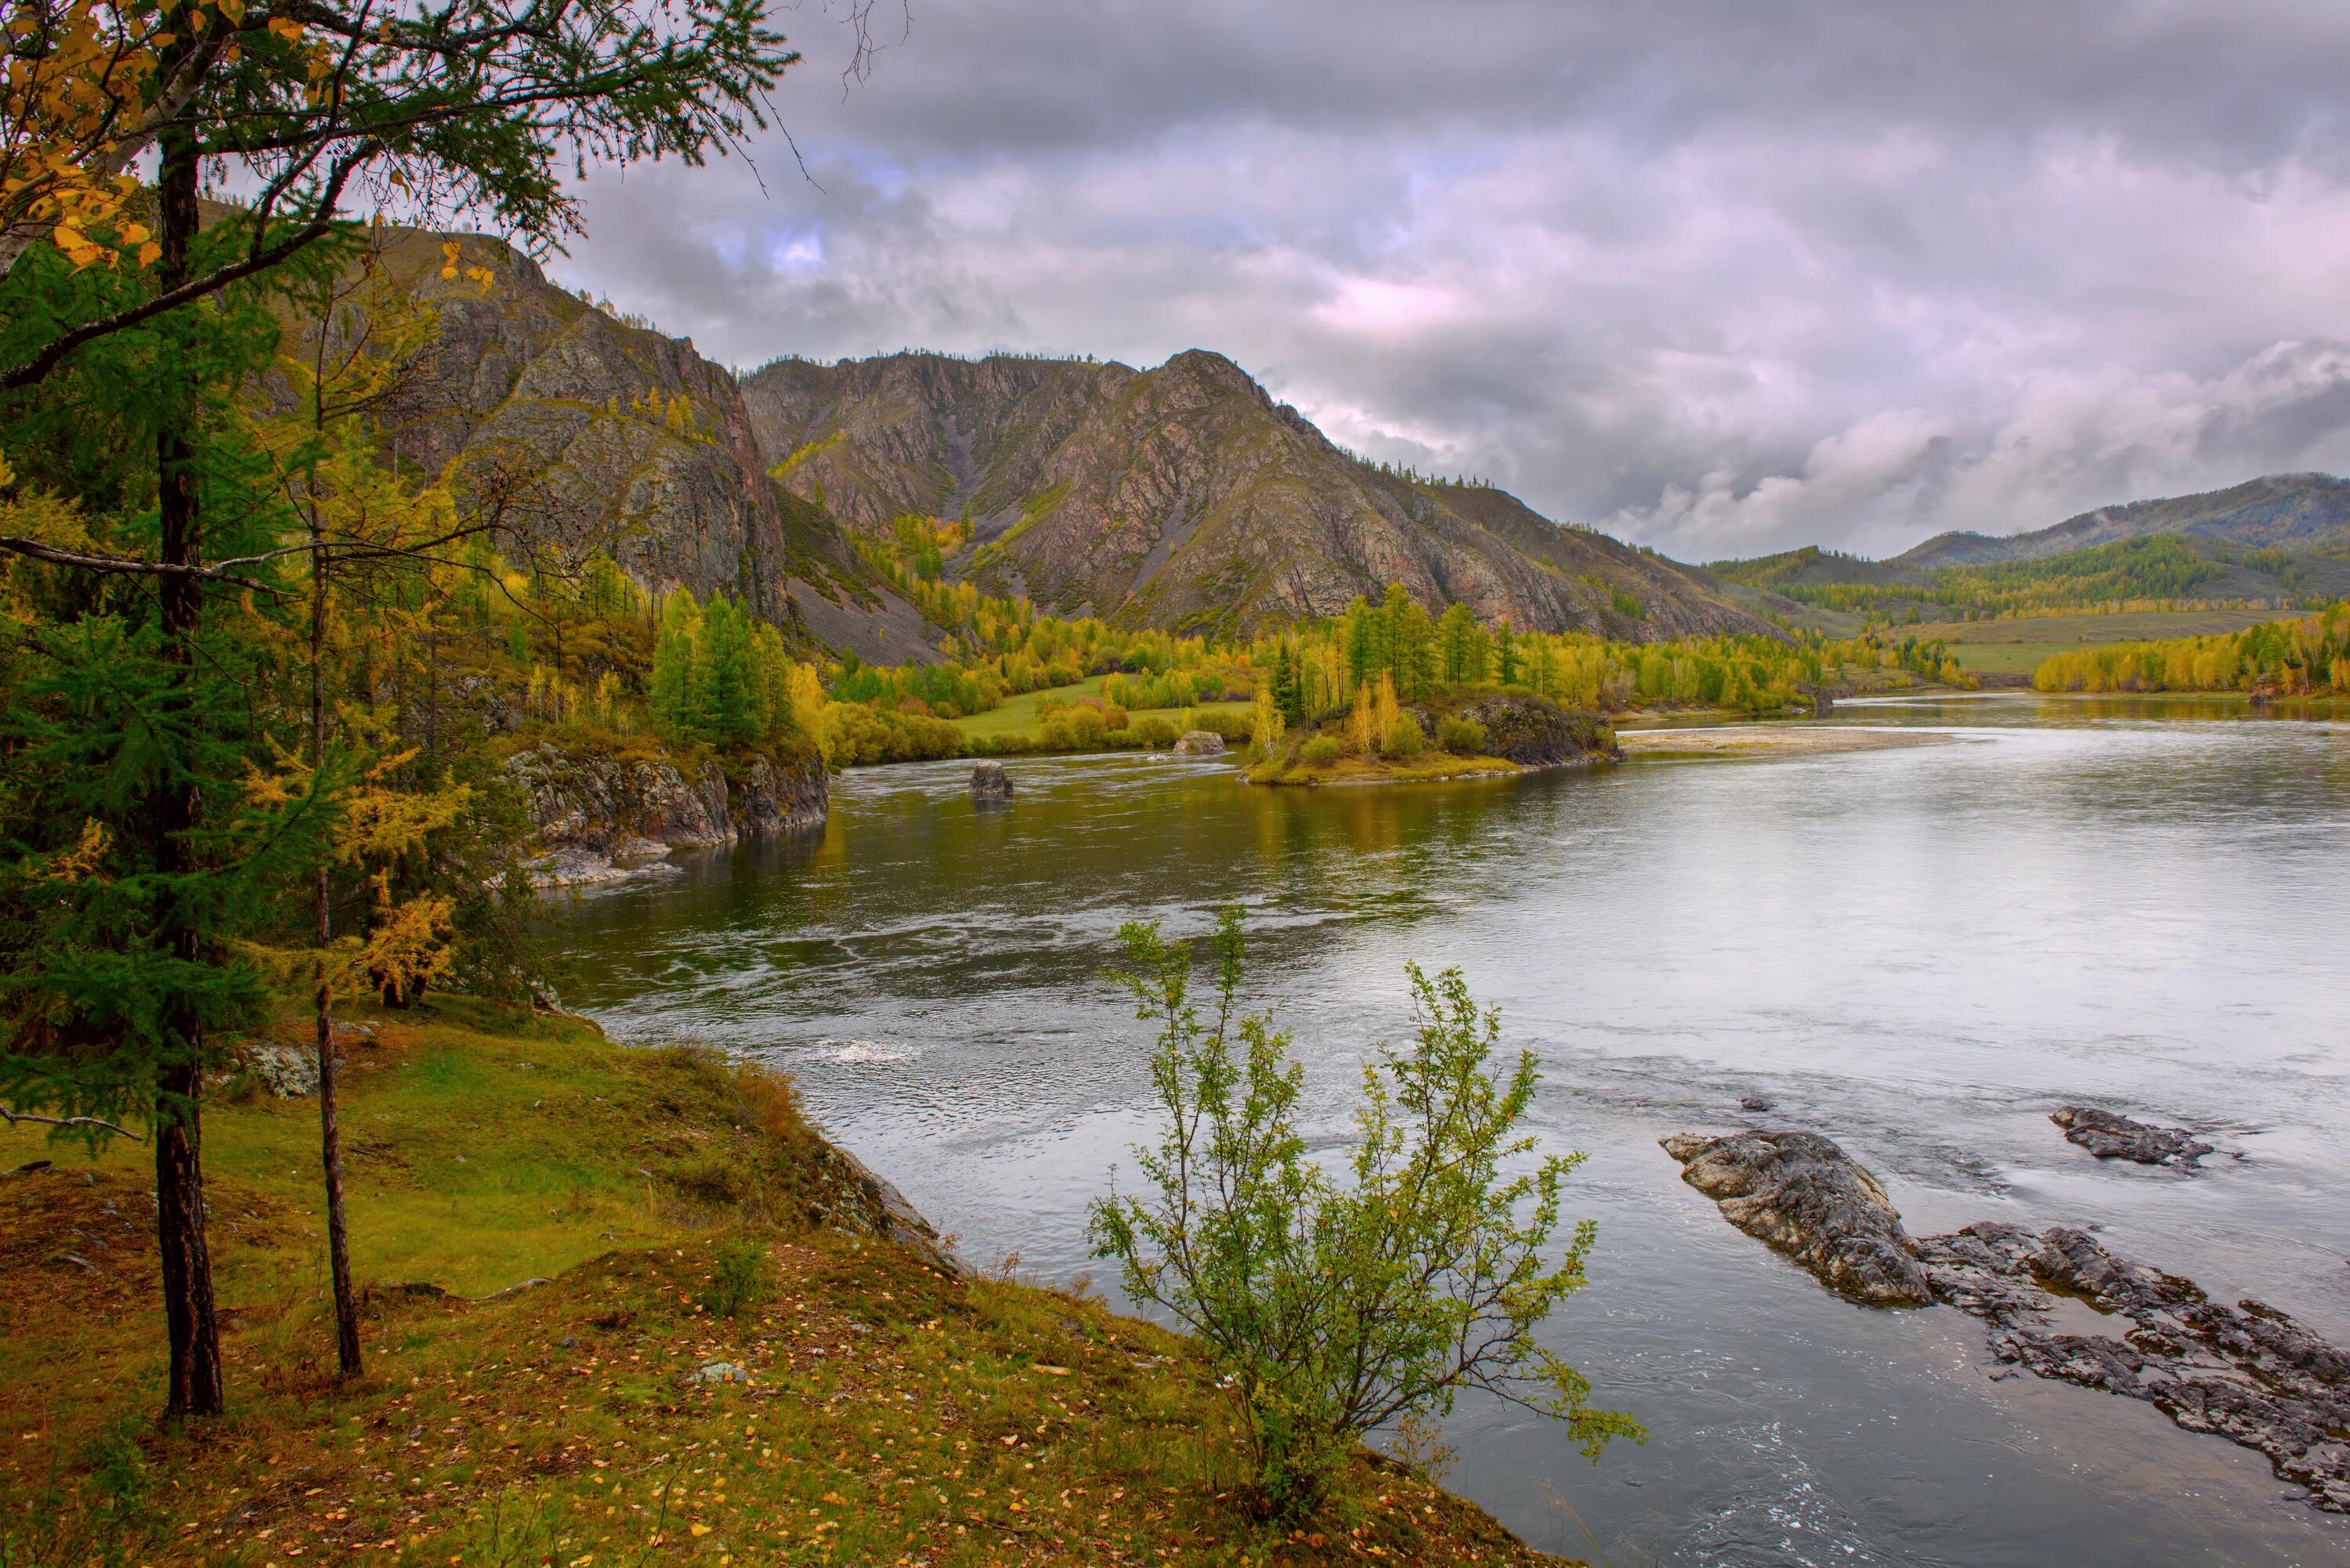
1078 729
856 735
1463 736
1153 731
1332 1307
1405 739
738 1283
1322 750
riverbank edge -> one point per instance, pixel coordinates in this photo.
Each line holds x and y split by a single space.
533 1202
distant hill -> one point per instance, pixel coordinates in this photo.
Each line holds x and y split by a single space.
2283 510
1185 498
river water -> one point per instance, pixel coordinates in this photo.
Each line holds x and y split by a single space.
1918 952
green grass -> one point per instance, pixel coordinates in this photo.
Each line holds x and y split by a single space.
892 1412
1019 715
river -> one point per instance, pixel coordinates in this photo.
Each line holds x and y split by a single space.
1920 951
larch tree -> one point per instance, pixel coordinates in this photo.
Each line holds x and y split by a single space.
425 109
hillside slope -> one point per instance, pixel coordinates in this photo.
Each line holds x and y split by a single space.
1185 498
2285 511
594 433
622 1306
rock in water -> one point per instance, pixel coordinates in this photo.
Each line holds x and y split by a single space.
2109 1137
1801 1194
2248 1373
990 781
1200 744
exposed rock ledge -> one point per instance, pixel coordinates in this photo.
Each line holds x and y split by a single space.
2248 1373
2109 1137
1797 1191
603 819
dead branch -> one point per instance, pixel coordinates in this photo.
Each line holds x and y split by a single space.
13 1116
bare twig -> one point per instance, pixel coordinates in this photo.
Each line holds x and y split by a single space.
11 1117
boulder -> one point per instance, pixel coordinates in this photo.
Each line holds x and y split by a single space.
2109 1137
289 1072
1200 744
990 781
1801 1194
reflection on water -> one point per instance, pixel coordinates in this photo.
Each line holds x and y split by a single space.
2135 902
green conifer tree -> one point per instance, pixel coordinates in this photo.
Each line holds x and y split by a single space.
729 693
673 692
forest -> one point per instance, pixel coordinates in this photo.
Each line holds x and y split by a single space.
2309 657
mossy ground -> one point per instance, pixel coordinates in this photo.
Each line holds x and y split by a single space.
891 1415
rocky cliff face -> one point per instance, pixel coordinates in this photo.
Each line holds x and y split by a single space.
600 819
589 432
1185 498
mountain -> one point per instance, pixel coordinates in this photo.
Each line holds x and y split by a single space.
591 431
1185 498
2285 511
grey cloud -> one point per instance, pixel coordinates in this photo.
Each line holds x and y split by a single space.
1718 276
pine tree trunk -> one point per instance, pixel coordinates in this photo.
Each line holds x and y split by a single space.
330 1150
190 1325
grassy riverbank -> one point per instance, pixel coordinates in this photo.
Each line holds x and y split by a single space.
1428 767
892 1412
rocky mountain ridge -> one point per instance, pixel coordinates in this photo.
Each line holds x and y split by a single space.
589 431
1185 498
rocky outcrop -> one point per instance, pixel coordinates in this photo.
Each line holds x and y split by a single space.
990 781
605 819
2110 1137
1536 733
1185 497
883 1210
775 797
1801 1194
2248 1373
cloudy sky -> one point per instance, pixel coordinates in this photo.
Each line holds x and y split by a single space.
1718 276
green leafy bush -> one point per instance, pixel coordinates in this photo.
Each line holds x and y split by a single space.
1463 736
1153 731
1404 741
855 735
1322 750
1078 729
1334 1307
